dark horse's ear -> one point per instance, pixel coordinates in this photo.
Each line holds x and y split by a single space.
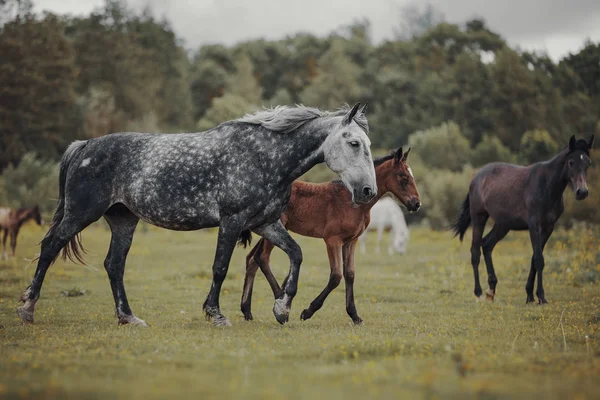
349 117
572 142
398 155
405 156
591 142
363 109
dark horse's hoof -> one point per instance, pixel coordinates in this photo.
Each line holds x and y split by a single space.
306 314
357 321
542 301
248 316
530 299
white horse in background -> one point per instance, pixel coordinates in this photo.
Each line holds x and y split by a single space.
386 215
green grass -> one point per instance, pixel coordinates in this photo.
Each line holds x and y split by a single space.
424 336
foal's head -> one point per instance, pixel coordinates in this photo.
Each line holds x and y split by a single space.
396 177
577 163
347 153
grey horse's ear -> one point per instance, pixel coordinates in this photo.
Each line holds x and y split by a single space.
591 142
405 155
398 155
363 109
572 142
349 117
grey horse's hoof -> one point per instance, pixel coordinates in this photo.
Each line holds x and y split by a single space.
220 320
25 314
281 311
132 320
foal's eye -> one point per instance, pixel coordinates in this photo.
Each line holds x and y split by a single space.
354 143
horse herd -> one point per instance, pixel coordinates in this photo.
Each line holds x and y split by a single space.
241 176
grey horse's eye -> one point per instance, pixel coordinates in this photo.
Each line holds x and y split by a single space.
354 143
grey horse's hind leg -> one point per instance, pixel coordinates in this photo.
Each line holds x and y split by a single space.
52 244
229 232
122 224
279 236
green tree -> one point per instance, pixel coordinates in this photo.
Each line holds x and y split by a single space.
537 145
442 147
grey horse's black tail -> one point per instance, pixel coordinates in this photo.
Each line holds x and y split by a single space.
463 221
245 238
73 250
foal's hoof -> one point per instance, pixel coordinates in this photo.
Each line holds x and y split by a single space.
25 314
281 311
220 320
490 294
306 314
132 320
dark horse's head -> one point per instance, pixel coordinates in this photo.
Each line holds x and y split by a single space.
577 163
397 178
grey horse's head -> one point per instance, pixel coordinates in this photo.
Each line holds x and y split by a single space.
347 153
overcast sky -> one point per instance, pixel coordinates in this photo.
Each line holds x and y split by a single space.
555 26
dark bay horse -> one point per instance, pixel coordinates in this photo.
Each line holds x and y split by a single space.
236 176
522 198
11 221
326 211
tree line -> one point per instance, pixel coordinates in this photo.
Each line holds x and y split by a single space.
458 92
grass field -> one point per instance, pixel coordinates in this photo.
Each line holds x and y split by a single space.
424 336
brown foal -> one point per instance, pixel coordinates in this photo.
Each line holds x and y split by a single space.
11 221
325 210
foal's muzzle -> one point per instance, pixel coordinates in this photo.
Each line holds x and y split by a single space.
581 193
413 205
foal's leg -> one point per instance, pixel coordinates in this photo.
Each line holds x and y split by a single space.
348 256
122 224
229 231
334 251
539 237
489 242
478 221
258 257
52 244
279 236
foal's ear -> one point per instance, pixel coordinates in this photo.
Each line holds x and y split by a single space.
398 155
405 156
349 117
572 142
591 142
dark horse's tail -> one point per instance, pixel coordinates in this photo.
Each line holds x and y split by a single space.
463 221
74 249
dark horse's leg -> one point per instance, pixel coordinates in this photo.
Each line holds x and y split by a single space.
52 244
348 255
334 251
122 224
490 240
258 257
277 234
478 221
539 238
229 232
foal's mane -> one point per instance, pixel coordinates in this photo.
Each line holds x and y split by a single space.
287 119
378 161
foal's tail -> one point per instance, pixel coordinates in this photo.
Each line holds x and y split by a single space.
463 221
245 238
74 249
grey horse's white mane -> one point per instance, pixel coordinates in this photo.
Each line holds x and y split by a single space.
287 119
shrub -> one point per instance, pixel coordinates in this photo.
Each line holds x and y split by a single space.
491 149
442 147
537 145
